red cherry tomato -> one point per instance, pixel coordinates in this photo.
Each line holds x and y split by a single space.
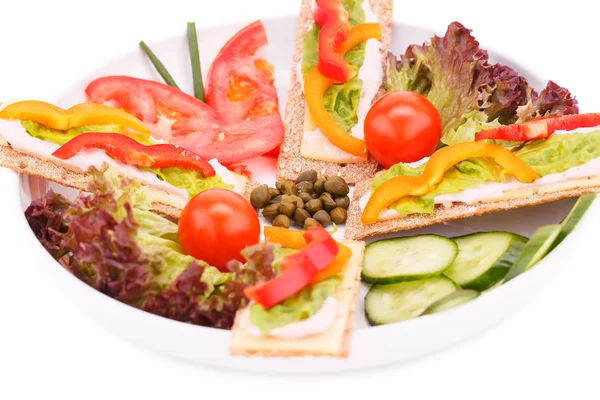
402 126
216 225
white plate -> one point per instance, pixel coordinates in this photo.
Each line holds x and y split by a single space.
371 346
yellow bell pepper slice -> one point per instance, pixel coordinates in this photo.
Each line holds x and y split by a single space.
315 85
440 162
295 240
38 111
76 116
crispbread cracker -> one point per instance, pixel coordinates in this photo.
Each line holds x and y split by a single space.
334 343
518 198
169 205
291 162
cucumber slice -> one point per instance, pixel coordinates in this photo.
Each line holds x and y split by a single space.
452 300
407 259
385 304
484 258
575 215
537 247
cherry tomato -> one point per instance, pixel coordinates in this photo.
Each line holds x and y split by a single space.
402 126
216 225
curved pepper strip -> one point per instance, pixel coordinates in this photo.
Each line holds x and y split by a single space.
130 152
79 115
315 85
332 18
298 270
440 162
295 240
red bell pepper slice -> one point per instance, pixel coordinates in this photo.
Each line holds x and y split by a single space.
332 18
319 245
131 152
539 128
297 269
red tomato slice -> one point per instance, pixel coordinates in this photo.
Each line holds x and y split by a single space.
240 119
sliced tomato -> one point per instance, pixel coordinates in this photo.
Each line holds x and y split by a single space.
238 85
540 128
240 119
131 152
164 108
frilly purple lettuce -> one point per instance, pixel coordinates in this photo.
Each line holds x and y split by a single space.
454 73
133 256
186 300
45 218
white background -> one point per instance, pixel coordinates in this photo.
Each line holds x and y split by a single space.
48 349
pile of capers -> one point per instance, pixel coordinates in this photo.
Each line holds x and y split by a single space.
308 202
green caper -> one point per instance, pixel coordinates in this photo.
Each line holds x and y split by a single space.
282 221
327 202
279 184
276 199
342 201
305 187
337 185
274 192
297 201
260 197
288 187
328 195
305 197
271 211
322 217
311 223
309 176
287 208
313 206
319 186
300 216
339 215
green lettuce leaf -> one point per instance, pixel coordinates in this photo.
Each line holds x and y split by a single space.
561 152
190 180
299 307
341 101
42 132
471 123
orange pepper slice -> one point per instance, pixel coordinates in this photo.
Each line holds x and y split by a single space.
336 266
440 162
285 237
315 85
295 240
76 116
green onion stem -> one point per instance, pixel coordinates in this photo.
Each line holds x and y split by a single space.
195 58
160 68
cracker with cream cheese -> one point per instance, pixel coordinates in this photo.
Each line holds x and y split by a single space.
335 342
299 155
